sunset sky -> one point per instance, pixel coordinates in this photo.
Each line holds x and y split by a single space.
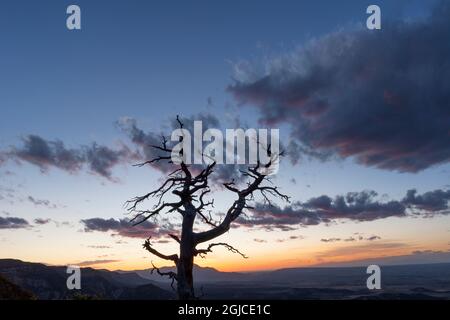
364 117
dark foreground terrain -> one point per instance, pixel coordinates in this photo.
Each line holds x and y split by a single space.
49 283
428 281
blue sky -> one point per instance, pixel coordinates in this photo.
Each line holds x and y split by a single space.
151 60
141 57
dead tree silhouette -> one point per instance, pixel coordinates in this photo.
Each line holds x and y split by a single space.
190 188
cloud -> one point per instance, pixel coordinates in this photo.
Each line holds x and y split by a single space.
147 140
94 262
99 247
13 223
377 248
354 206
123 227
41 221
260 240
8 172
7 194
46 154
350 239
63 224
290 238
331 240
275 217
379 97
427 251
162 241
383 257
42 202
102 159
432 201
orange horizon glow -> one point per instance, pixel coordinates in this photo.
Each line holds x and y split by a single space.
397 238
233 265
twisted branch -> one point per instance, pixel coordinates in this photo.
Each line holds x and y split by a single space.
172 275
203 252
147 246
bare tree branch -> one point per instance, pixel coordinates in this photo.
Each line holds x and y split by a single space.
203 252
238 205
172 275
174 237
147 246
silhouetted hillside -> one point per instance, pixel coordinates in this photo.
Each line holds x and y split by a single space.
48 282
10 291
429 281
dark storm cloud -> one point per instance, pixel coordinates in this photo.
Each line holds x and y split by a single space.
46 154
355 206
381 96
124 228
13 223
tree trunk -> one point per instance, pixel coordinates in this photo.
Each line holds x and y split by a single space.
185 265
185 283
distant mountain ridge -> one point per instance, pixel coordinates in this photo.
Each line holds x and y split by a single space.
415 281
303 276
201 274
416 258
428 281
49 282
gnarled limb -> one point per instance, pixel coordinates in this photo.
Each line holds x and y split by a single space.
172 275
147 246
174 237
240 204
203 252
147 214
